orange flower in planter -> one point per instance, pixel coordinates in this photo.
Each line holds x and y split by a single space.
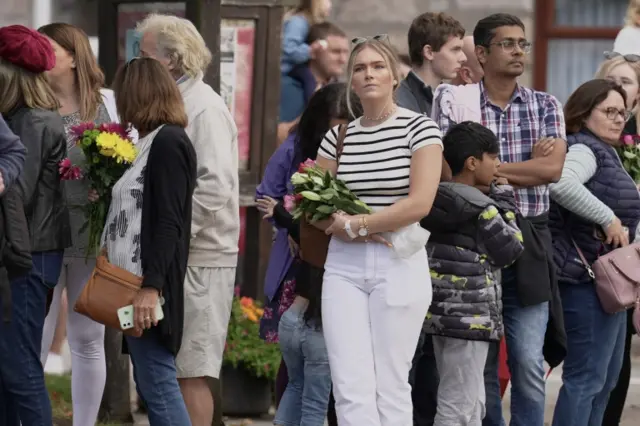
244 348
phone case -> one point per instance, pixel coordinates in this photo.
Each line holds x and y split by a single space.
125 316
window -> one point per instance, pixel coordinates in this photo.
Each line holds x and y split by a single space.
571 37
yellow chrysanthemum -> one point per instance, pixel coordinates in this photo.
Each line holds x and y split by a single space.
112 145
107 141
125 151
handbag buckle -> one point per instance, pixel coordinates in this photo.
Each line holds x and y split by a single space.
590 271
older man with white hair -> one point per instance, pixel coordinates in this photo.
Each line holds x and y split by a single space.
215 226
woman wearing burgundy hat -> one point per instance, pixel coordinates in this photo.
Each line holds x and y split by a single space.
30 109
77 82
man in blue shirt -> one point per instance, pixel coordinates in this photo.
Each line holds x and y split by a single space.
326 65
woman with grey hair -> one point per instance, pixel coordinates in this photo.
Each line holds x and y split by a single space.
215 227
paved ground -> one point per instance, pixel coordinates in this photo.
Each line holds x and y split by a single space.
632 410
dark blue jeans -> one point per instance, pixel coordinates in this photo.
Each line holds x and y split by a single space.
595 347
154 371
525 327
24 395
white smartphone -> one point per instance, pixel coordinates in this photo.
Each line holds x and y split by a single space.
125 316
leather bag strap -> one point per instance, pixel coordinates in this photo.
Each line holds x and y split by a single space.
583 259
342 134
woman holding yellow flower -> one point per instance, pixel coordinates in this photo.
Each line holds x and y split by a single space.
148 227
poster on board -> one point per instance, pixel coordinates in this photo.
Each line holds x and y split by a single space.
129 14
237 38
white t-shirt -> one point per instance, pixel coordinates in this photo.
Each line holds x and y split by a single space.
375 162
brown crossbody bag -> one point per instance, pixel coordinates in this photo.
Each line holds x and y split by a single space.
109 288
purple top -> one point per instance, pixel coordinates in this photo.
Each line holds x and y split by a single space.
276 184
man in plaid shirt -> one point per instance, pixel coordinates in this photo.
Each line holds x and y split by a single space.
531 131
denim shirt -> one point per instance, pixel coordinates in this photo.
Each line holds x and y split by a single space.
295 50
276 184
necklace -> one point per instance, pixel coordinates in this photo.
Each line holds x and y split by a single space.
381 117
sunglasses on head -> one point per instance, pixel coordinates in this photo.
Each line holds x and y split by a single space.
628 58
359 40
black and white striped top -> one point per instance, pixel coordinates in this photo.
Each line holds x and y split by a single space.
375 162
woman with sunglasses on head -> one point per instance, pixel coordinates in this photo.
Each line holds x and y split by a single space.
595 209
375 295
77 82
624 70
298 320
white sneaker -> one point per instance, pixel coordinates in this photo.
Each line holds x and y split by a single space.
54 365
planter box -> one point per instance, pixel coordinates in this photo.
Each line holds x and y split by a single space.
244 395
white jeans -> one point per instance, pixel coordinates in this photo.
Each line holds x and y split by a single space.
86 342
373 307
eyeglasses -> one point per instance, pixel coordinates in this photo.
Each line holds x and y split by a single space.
613 113
628 58
359 40
509 45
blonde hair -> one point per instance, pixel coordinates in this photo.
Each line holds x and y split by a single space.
632 12
19 87
387 53
179 40
608 65
89 76
312 10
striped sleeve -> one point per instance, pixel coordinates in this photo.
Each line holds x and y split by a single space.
423 131
580 165
328 145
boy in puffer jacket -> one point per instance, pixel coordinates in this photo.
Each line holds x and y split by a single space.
473 236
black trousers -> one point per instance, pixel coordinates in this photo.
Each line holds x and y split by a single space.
618 397
424 382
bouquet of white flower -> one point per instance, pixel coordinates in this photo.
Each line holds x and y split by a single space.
318 195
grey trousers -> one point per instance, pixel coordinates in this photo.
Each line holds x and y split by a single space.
461 394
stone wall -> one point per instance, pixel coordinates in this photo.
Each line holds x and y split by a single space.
371 17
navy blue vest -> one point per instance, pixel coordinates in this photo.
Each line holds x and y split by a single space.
614 187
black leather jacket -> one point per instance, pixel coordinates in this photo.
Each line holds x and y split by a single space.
42 133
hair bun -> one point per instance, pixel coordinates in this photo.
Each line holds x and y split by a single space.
26 49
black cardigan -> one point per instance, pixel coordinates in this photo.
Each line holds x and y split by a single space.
169 181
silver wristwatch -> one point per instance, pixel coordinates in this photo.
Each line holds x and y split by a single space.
349 231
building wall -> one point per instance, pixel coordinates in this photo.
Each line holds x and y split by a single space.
371 17
15 12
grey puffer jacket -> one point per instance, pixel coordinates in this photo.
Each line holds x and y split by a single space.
473 236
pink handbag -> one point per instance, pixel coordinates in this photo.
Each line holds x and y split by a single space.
617 277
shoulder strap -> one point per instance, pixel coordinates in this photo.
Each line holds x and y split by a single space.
342 134
583 259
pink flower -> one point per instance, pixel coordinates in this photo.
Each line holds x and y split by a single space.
289 203
68 171
116 128
628 140
236 291
308 163
78 130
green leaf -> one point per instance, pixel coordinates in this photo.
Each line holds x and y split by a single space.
326 209
630 155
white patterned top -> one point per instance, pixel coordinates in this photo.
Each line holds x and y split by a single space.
124 220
